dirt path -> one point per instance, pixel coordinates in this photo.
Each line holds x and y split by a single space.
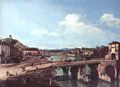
17 70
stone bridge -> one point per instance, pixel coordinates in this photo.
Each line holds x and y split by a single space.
104 69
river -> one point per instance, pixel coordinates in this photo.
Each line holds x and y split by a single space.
77 83
74 83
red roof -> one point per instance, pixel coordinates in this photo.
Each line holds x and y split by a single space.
32 49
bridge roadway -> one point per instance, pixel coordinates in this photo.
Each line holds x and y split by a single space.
63 64
19 71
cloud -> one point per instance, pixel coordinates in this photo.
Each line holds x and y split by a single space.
71 21
110 20
42 32
74 23
77 31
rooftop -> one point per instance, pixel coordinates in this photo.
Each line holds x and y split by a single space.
32 49
114 42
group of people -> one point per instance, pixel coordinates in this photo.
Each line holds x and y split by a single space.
9 74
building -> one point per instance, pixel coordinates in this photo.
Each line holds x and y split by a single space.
111 70
114 50
31 51
9 53
15 43
4 52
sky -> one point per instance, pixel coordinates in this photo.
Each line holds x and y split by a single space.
52 24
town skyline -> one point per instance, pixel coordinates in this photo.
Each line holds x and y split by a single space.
61 24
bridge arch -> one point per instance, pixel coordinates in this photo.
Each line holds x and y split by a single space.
108 71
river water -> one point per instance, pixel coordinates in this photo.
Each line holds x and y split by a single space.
77 83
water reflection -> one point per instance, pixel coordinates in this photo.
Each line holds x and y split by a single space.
66 83
74 83
94 83
77 83
115 84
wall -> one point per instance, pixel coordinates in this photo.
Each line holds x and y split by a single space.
5 52
15 55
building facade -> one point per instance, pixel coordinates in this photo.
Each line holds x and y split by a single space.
4 52
114 50
9 53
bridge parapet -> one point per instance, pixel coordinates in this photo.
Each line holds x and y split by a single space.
74 63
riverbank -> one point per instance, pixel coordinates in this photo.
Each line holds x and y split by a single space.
16 75
39 78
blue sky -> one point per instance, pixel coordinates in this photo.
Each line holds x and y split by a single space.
51 24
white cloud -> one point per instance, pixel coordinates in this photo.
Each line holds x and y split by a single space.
74 23
79 32
110 20
42 32
73 32
71 21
